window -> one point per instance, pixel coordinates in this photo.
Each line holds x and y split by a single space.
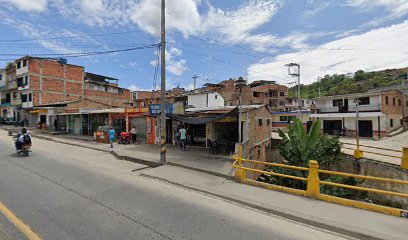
337 102
20 82
255 94
273 93
26 80
399 102
268 121
120 91
106 88
18 65
30 97
386 100
393 101
391 123
14 95
364 101
24 98
282 94
24 62
260 121
281 103
286 118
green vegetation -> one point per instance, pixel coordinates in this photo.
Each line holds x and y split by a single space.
343 84
298 147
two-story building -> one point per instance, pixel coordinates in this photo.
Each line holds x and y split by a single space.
379 112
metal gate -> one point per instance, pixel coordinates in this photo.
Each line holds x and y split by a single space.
140 125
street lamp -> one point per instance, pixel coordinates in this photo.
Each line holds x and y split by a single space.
295 74
240 83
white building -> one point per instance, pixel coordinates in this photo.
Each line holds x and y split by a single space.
210 99
379 112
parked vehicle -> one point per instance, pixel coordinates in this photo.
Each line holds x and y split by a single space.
343 132
124 138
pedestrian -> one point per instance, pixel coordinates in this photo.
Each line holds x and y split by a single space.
55 125
133 132
183 138
189 133
177 137
111 134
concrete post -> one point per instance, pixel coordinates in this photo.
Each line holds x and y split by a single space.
239 172
404 160
313 181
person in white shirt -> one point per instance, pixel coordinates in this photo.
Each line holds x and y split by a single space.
133 132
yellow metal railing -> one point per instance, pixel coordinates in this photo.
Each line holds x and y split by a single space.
403 154
314 183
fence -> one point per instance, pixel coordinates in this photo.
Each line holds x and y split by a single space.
314 183
401 155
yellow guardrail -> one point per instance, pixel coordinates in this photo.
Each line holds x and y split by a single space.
403 153
314 183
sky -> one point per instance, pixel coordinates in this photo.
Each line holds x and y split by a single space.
212 39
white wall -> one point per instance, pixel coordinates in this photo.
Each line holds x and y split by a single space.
206 100
215 100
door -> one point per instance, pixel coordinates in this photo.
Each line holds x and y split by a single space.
77 126
346 105
330 126
365 128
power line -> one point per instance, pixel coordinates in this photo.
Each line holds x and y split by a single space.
67 37
80 54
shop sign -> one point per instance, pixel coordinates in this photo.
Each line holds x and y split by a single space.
155 109
137 110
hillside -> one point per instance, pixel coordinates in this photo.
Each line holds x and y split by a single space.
342 84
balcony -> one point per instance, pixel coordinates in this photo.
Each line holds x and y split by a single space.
349 109
12 85
4 102
27 105
16 101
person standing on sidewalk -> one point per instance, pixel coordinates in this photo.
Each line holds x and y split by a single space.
133 132
111 134
183 138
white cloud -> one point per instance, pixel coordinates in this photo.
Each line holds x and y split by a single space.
28 5
237 26
177 67
133 87
397 8
374 50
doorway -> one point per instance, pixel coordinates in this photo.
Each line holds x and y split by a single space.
330 126
365 128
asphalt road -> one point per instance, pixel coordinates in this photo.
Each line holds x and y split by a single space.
67 192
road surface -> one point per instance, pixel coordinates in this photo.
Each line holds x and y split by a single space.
67 192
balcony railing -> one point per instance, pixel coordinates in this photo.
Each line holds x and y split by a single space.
349 109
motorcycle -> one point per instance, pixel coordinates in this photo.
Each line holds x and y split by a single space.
25 150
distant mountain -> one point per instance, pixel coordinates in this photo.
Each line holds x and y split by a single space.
344 84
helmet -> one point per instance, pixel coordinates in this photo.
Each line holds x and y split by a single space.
24 130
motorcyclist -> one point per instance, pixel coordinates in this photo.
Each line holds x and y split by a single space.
23 138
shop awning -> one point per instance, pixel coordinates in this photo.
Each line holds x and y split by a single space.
202 119
39 111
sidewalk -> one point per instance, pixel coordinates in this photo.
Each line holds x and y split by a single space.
354 222
195 158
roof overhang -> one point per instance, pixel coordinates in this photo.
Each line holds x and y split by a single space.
346 115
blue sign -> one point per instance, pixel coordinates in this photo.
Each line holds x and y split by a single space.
155 109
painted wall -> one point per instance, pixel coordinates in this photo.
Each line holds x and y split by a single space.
206 100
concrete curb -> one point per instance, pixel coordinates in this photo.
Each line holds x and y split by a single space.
136 160
201 170
285 215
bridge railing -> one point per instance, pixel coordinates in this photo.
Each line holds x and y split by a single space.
314 184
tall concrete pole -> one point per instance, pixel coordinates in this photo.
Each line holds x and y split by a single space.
404 123
298 94
163 149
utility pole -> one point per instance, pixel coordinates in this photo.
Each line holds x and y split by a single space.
296 74
357 153
404 123
163 149
195 81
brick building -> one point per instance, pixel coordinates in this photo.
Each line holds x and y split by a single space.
381 111
259 92
42 88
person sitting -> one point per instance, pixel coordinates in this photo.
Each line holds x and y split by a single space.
23 138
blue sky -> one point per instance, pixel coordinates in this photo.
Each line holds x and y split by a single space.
213 39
